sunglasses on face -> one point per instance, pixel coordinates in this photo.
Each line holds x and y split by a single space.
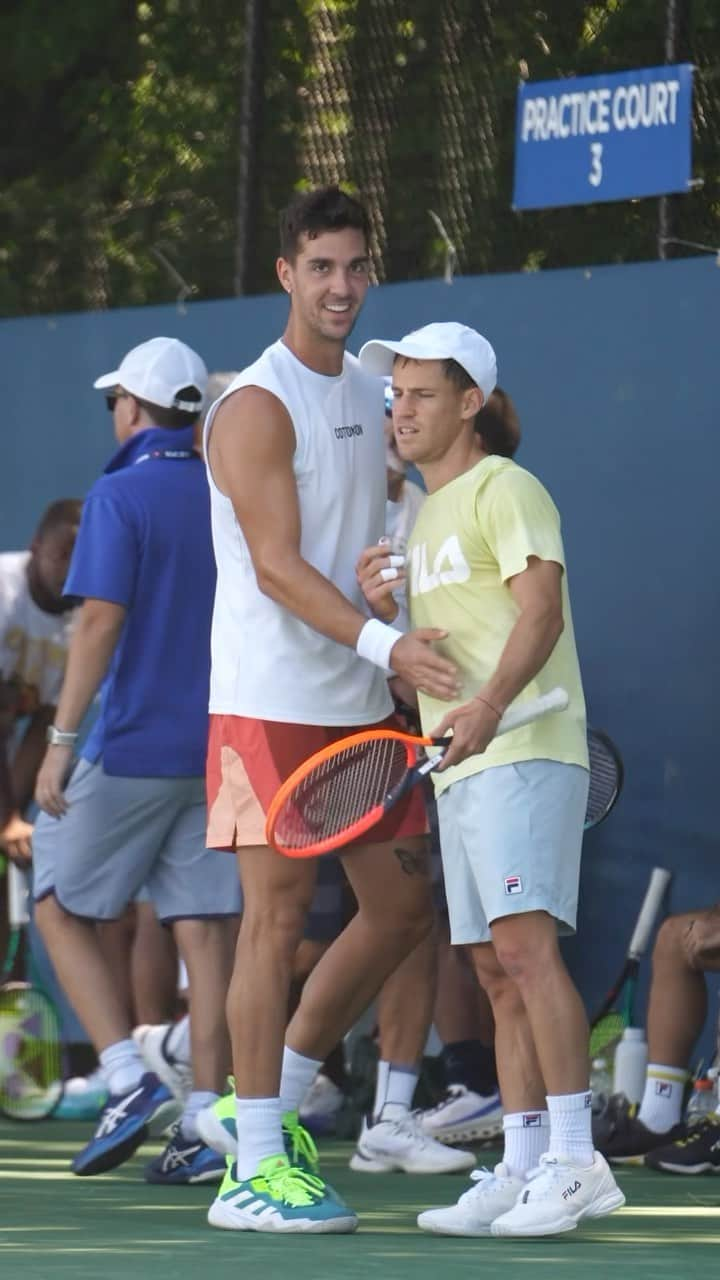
112 400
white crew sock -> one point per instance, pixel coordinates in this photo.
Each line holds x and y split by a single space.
197 1101
259 1130
662 1099
298 1073
394 1089
527 1134
571 1127
122 1066
177 1042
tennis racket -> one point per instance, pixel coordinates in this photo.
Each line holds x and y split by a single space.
618 1008
343 790
606 777
30 1056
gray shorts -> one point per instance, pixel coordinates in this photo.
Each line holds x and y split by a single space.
120 834
511 839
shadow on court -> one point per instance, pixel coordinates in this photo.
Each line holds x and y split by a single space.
53 1226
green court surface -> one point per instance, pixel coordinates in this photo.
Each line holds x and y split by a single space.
53 1225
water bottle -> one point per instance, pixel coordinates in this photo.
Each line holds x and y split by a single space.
631 1064
702 1101
601 1084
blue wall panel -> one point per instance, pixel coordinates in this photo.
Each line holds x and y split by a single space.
614 372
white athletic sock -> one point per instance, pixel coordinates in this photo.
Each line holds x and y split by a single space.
122 1066
177 1042
662 1099
259 1130
527 1134
197 1101
298 1073
571 1127
394 1089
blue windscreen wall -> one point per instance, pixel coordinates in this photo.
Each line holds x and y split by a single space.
615 374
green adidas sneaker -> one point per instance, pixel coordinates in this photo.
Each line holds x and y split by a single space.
281 1198
217 1126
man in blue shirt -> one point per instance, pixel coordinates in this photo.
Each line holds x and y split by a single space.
132 811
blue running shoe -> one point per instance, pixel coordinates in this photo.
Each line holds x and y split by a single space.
279 1198
185 1161
124 1124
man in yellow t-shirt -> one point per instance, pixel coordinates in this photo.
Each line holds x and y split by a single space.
485 562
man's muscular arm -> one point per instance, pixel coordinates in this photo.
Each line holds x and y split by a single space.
251 450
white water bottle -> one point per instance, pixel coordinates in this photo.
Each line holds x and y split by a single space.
631 1064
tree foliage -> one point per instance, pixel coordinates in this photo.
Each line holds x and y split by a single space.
125 160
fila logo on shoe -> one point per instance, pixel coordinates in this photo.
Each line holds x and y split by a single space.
570 1191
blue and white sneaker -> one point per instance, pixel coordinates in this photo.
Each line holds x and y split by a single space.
463 1116
185 1161
125 1123
279 1198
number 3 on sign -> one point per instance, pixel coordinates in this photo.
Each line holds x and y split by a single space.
595 175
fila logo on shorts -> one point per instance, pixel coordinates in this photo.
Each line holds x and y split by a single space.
513 884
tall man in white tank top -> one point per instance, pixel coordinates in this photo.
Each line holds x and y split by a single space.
296 464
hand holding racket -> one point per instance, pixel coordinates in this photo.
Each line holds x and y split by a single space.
339 793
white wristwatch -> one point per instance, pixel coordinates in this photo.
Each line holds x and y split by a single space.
60 738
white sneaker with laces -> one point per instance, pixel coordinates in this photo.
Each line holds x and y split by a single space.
151 1042
400 1145
319 1108
493 1193
558 1195
463 1116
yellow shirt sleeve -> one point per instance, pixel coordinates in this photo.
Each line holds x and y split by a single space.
519 519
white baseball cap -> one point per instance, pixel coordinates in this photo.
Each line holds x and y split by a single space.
156 371
443 341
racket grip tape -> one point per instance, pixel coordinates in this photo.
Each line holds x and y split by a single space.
556 700
17 896
659 880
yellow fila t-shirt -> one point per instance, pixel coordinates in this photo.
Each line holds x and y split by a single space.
470 537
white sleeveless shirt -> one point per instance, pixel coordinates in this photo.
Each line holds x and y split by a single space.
266 662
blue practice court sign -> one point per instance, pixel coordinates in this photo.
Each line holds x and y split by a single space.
611 137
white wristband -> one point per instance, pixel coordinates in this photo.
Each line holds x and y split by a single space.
376 641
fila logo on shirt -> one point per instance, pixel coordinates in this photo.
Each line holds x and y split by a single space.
513 884
448 566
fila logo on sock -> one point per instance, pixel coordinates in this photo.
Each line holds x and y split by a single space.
663 1088
570 1191
531 1119
513 884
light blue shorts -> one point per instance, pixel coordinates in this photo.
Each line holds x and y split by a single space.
511 839
121 834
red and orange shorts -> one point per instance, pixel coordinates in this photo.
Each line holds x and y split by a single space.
247 761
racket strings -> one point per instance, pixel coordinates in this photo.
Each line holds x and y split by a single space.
340 791
605 779
606 1033
30 1055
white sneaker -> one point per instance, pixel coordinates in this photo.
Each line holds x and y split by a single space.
558 1195
493 1193
463 1116
319 1108
151 1042
401 1145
